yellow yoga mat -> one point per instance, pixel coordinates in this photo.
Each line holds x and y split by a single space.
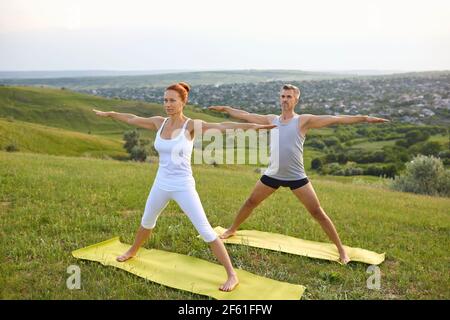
312 249
189 273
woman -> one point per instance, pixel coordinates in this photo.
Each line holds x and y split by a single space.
174 180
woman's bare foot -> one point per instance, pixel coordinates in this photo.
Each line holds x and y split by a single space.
343 257
227 234
230 284
127 255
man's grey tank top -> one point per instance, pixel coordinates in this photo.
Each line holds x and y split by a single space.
286 151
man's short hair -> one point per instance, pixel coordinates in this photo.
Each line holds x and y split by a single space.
292 87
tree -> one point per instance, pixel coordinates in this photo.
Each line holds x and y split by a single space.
415 136
131 139
135 146
316 143
430 148
341 158
316 164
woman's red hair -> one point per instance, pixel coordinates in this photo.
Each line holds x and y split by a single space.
182 88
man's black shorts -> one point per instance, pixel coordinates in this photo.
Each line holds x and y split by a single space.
276 183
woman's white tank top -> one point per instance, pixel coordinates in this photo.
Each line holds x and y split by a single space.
174 172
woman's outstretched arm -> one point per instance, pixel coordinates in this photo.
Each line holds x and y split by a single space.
151 123
222 126
244 115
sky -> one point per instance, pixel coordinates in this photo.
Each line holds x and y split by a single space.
407 35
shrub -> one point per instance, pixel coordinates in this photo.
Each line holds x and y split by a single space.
316 143
331 157
386 171
138 153
424 175
331 168
412 137
331 141
354 171
445 156
11 148
396 154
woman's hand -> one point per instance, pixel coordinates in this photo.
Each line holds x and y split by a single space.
264 126
101 113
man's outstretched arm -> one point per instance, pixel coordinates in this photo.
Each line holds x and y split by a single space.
244 115
314 122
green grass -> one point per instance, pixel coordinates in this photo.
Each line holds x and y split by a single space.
52 205
378 145
373 145
441 138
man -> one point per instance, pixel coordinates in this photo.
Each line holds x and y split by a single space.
286 160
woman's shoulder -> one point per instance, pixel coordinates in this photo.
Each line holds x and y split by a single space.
158 121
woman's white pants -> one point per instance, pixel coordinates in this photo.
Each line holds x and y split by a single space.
189 202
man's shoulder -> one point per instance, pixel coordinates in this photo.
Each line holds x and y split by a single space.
305 117
304 120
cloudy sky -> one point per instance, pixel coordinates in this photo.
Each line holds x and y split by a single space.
218 35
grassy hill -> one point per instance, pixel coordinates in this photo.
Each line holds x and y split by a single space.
51 205
61 122
35 138
73 111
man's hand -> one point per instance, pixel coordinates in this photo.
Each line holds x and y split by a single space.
218 108
375 120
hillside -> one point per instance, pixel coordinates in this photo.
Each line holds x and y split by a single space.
73 111
36 138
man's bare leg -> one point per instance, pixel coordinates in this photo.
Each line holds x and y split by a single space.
260 193
218 248
141 236
308 197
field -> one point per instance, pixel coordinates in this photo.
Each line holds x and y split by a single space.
51 205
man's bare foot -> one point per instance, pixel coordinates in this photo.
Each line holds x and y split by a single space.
227 234
230 284
343 257
127 255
